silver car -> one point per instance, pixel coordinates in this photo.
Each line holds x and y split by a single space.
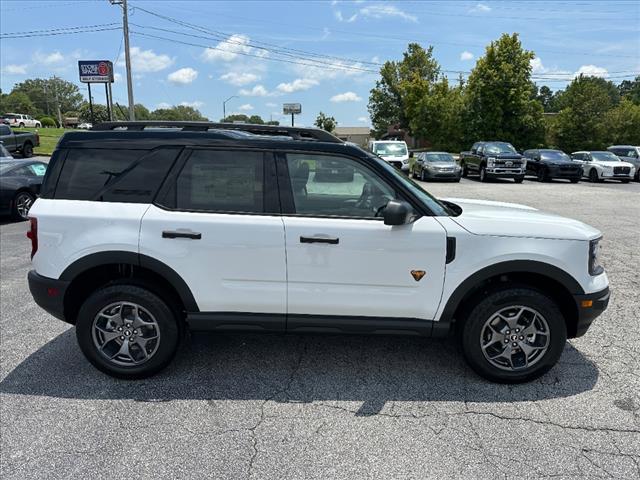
628 153
436 166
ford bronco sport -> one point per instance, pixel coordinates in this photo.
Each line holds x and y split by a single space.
145 229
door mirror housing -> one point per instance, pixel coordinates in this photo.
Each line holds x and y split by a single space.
397 212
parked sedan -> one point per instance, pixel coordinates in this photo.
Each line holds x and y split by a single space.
436 166
548 164
20 182
628 153
599 166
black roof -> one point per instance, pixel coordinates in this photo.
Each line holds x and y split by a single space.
151 134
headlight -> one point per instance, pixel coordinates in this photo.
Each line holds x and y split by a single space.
594 262
406 160
491 161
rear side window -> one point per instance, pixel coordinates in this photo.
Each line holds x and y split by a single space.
220 181
131 176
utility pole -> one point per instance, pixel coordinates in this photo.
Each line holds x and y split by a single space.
224 107
127 56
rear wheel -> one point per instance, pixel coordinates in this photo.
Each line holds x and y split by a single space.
21 205
513 335
127 331
27 150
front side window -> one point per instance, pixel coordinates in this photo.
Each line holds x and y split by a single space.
336 186
221 181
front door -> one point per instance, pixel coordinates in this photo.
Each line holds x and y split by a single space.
217 224
342 260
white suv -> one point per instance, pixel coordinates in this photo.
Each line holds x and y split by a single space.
143 232
394 152
20 120
598 166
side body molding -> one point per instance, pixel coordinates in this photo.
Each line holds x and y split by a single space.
131 258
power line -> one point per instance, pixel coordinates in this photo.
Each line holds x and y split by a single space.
60 29
51 34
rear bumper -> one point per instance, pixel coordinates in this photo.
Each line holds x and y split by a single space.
48 293
590 306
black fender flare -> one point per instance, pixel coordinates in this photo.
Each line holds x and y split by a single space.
117 256
503 268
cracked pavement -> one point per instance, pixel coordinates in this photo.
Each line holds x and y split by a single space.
290 407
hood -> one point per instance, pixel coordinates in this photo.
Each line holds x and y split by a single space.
482 217
504 156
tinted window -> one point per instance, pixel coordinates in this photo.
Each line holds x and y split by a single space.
5 130
554 155
132 176
336 186
219 181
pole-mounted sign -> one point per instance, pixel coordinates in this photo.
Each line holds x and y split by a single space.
97 71
292 109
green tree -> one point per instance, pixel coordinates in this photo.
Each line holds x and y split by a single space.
100 113
499 98
241 117
47 93
178 113
141 112
580 124
17 102
545 97
630 89
325 122
623 123
387 99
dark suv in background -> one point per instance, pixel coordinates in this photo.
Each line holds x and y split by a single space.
549 164
493 160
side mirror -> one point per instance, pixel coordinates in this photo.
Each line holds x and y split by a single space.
397 212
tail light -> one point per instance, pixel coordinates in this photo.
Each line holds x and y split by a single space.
32 234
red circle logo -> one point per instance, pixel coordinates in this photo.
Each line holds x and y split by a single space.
103 69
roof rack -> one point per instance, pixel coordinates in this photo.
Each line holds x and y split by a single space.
272 130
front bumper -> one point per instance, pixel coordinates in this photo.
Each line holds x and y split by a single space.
559 172
450 174
48 293
399 164
505 172
590 306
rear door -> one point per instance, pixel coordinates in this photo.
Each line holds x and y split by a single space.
342 260
216 223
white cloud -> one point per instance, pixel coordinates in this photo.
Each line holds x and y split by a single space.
332 70
386 11
14 69
52 58
183 76
297 85
163 105
480 7
271 104
256 91
143 61
246 107
229 49
194 104
592 71
239 78
346 97
466 55
363 119
537 66
341 18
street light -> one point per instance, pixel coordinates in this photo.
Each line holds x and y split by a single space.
224 107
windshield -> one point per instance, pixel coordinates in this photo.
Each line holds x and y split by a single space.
499 147
398 149
439 157
554 155
604 157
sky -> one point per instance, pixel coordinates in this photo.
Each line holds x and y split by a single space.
322 54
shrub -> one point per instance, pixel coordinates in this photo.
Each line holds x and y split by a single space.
48 122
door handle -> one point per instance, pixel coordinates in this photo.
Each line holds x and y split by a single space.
180 234
330 240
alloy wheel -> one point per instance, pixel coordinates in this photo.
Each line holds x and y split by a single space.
515 338
126 334
23 204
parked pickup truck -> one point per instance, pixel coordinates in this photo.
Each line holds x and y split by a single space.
22 142
493 160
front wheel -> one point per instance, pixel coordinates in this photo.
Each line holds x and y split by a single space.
574 180
513 335
593 176
624 181
518 179
465 171
483 173
127 331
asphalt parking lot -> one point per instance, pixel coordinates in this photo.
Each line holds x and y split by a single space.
291 407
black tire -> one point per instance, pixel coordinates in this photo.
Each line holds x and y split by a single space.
465 171
483 174
487 306
422 176
27 150
165 317
22 200
518 179
21 125
624 181
542 175
593 176
457 180
574 180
